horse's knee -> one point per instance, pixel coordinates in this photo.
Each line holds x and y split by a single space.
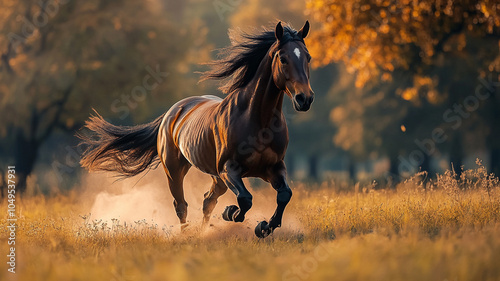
245 202
284 196
209 205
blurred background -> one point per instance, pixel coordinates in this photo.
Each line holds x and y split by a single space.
401 86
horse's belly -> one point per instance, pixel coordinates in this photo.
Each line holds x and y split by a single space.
197 145
200 153
190 131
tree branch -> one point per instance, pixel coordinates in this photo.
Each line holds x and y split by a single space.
60 107
6 59
439 48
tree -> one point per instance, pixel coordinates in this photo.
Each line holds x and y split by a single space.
259 13
428 55
62 58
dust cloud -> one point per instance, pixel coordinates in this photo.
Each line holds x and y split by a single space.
147 197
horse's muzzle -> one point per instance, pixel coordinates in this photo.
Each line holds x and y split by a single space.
302 103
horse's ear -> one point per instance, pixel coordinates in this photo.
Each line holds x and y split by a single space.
279 31
304 30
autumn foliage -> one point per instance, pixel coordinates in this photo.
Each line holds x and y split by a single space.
376 37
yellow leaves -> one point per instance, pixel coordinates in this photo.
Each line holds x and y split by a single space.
365 8
348 27
359 32
424 87
70 65
422 81
462 41
92 65
406 14
338 114
433 96
386 77
484 9
18 59
117 23
95 65
388 66
384 28
403 128
316 4
363 76
53 68
345 138
409 94
151 35
70 122
183 67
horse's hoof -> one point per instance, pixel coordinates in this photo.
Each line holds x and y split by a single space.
228 214
262 230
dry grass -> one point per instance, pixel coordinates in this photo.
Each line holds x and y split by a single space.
443 230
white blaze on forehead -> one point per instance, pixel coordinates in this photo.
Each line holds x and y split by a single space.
296 51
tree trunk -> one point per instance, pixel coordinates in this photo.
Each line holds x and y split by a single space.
456 154
394 177
313 167
426 165
494 136
26 153
351 169
495 161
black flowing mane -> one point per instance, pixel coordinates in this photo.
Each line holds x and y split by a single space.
240 61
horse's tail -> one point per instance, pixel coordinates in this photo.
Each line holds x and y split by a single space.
126 150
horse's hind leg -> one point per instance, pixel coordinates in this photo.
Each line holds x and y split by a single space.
218 188
176 169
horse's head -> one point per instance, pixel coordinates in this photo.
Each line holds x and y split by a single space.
290 67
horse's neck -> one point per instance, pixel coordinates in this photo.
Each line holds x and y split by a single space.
264 98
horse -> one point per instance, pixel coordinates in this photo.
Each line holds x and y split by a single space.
243 135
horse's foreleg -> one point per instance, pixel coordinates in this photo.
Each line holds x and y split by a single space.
277 179
232 178
218 188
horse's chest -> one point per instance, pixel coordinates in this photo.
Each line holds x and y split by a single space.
264 158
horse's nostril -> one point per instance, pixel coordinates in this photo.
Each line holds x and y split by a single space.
311 99
300 98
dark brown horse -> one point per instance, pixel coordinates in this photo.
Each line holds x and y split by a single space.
243 135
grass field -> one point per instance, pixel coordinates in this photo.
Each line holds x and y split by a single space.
447 229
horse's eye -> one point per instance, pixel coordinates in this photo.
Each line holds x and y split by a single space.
283 60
